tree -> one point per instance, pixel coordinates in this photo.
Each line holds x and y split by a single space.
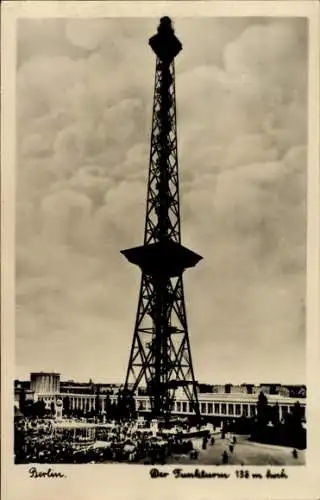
52 408
66 405
109 406
87 406
98 402
275 414
124 406
260 430
262 409
296 416
29 408
39 408
98 405
22 400
294 431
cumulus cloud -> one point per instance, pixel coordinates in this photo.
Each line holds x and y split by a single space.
87 34
84 94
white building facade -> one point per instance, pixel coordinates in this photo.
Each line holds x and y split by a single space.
231 405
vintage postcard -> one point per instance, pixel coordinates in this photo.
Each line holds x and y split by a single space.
160 250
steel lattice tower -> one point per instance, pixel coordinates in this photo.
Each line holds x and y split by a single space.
160 357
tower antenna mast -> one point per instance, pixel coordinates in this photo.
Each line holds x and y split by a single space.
160 356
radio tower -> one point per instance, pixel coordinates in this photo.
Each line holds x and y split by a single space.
160 358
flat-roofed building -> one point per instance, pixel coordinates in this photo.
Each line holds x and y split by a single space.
225 401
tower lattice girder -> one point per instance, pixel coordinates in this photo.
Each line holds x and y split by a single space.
160 357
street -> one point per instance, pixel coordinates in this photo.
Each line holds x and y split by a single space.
245 452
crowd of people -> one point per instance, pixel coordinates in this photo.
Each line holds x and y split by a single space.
37 441
42 441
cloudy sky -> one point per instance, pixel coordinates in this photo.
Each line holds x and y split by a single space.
84 101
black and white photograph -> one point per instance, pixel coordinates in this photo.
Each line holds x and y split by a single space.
161 241
161 263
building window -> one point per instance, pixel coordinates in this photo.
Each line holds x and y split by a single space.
245 410
217 408
184 407
203 408
210 408
252 410
230 409
223 409
190 407
284 410
238 409
178 406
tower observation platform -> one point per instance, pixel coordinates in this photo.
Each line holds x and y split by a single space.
160 357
